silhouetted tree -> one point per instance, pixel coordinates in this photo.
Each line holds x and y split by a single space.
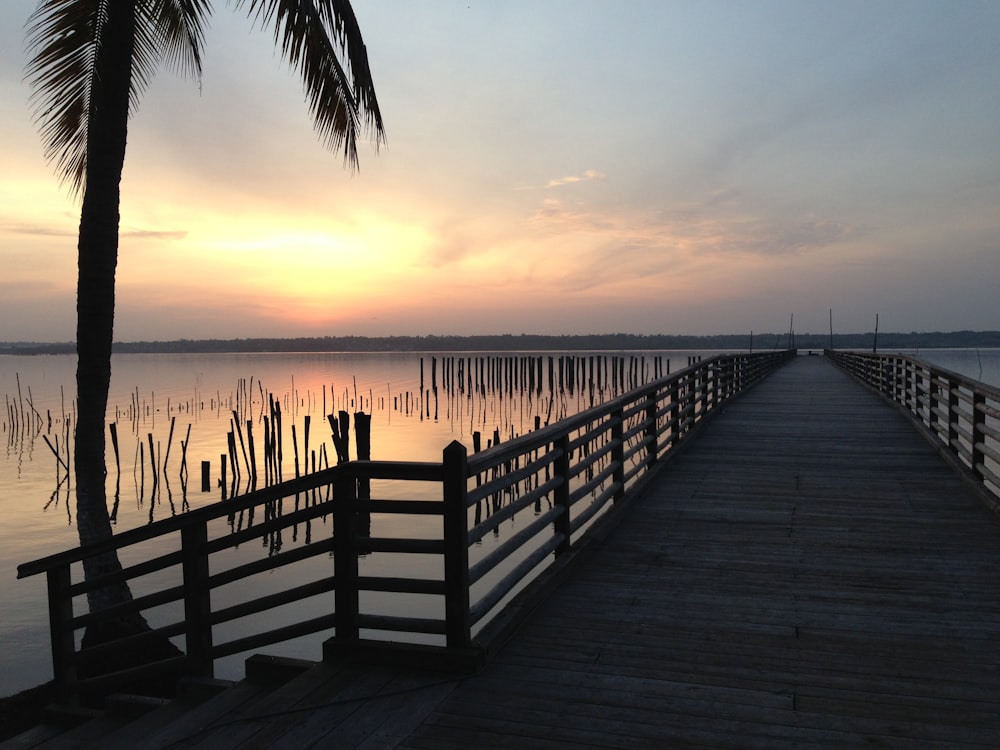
91 61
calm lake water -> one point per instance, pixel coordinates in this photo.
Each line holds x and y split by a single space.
183 405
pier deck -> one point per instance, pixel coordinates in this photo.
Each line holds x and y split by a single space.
808 573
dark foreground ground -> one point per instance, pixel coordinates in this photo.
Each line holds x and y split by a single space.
23 710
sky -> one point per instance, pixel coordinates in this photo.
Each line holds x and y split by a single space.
553 167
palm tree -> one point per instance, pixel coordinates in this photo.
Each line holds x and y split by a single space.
91 61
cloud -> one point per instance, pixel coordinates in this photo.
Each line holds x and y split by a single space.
35 230
615 254
153 234
590 175
38 230
792 238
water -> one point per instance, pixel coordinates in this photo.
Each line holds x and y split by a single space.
199 393
978 364
195 396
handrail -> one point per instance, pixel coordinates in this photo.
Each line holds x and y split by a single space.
961 415
552 482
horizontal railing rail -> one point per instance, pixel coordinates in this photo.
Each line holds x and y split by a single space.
456 551
960 414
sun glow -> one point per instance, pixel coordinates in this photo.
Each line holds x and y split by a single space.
301 269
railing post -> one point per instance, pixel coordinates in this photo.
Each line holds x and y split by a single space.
910 382
675 414
618 451
921 387
197 600
953 414
458 622
703 371
978 433
561 493
650 432
345 558
61 633
933 403
713 373
903 383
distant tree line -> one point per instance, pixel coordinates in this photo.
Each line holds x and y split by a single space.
536 342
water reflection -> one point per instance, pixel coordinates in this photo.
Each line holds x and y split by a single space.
266 418
263 427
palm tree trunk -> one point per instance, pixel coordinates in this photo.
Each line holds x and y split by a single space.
98 258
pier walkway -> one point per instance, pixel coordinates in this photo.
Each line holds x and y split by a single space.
807 573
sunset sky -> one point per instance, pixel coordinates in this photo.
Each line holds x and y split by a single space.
688 167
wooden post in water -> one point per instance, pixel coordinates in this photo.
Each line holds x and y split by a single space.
276 425
170 440
152 463
253 454
184 445
268 451
239 432
345 432
114 442
234 462
142 470
305 440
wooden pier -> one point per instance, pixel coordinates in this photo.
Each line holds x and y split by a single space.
807 573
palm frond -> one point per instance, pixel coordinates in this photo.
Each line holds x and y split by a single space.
66 36
170 30
312 34
180 33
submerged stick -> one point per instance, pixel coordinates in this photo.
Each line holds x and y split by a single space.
55 452
253 453
184 447
114 443
170 439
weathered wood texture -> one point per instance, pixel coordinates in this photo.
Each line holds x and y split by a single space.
809 573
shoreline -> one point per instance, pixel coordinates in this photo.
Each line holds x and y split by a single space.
535 343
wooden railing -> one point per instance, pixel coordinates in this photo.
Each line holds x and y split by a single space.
962 415
481 527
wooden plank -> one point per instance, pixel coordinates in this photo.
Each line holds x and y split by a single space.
808 573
